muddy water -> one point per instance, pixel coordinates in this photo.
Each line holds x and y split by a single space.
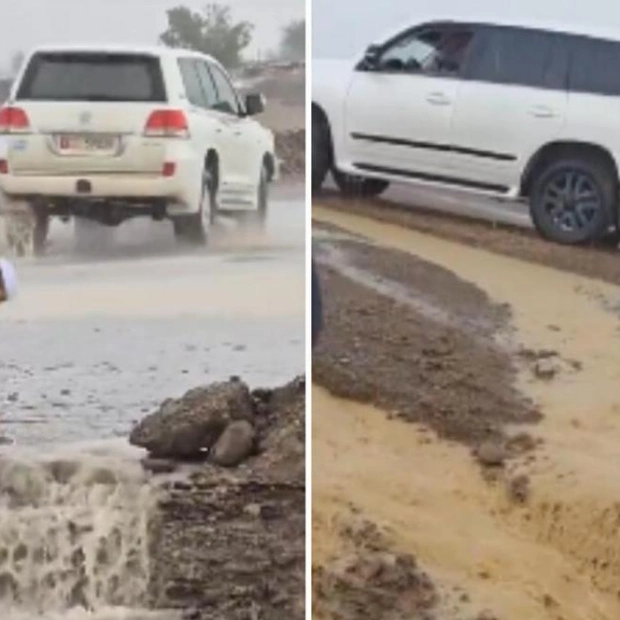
559 555
93 343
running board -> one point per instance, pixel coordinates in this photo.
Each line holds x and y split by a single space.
433 178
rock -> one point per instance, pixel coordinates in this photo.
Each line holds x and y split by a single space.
491 453
234 445
188 426
519 489
545 369
159 466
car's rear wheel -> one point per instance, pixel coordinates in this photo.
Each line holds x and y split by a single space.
194 229
40 233
573 200
321 151
358 186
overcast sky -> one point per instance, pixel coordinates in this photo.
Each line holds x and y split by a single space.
26 23
342 28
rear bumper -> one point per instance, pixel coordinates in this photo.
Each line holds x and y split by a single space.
180 191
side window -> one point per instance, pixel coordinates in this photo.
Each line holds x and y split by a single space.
193 86
227 98
522 57
208 85
433 51
595 67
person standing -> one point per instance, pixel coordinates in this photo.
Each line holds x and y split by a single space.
8 281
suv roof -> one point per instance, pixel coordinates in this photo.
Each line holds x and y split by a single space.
610 34
587 31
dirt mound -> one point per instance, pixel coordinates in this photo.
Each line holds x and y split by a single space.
230 542
397 355
372 582
291 149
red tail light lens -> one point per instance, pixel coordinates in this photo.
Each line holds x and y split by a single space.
4 166
168 169
167 124
13 120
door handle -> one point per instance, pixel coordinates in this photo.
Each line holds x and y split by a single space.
438 99
542 111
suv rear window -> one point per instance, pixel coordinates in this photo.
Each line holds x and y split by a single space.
90 76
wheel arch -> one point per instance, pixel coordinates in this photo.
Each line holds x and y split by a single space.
563 149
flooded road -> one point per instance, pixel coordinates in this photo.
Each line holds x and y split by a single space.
94 342
555 554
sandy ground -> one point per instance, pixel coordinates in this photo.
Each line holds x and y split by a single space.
93 342
553 554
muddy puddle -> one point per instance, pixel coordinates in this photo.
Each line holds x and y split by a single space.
542 548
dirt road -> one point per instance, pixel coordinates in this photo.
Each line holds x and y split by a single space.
453 349
93 342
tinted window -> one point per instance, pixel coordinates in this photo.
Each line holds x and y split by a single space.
595 66
522 57
208 85
93 77
192 83
436 51
226 96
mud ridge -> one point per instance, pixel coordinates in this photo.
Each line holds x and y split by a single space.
377 350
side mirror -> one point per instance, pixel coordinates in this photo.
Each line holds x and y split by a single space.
8 281
371 57
254 104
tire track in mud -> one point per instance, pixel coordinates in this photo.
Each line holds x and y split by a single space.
554 553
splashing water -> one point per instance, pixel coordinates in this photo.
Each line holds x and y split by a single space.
74 538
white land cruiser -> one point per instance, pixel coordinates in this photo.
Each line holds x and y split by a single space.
514 111
112 133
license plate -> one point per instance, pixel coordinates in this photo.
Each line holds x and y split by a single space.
86 143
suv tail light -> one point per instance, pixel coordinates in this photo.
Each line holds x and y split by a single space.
167 124
13 120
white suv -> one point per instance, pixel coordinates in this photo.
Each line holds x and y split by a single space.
514 111
112 133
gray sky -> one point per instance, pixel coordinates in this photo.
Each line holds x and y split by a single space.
26 23
346 30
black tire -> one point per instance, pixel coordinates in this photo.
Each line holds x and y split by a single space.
40 233
359 187
192 229
258 219
573 200
321 151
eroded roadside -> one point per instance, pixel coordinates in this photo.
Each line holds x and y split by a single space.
600 262
456 345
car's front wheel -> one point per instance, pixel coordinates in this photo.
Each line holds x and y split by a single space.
573 200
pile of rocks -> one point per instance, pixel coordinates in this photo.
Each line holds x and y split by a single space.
227 537
214 422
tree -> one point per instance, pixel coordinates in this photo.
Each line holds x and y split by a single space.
210 32
293 44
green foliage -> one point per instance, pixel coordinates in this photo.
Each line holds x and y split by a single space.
211 32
